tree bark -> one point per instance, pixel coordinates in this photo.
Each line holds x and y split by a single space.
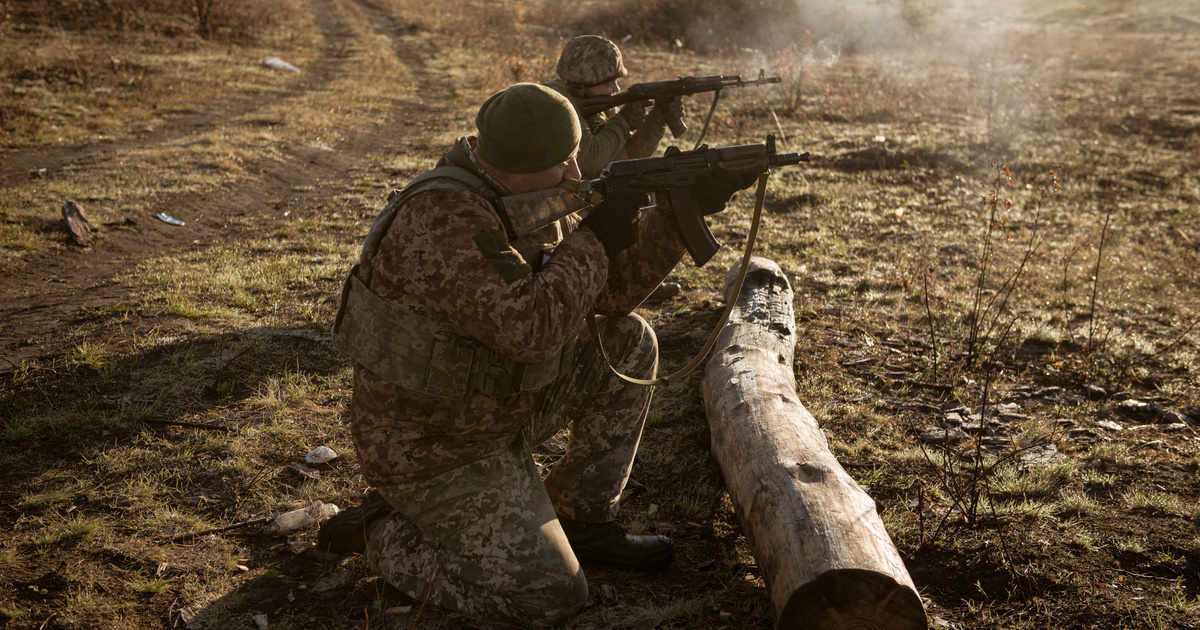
821 547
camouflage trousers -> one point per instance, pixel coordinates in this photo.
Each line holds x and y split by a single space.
484 539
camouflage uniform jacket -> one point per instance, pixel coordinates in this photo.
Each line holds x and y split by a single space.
446 255
607 138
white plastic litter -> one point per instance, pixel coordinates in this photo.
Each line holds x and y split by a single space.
321 455
275 63
296 520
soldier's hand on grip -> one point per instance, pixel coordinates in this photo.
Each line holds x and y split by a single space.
670 108
614 220
634 113
715 188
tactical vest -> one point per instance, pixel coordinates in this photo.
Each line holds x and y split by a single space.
429 354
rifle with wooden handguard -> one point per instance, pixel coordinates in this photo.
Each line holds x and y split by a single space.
683 86
671 175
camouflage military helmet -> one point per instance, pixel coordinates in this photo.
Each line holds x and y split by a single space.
590 60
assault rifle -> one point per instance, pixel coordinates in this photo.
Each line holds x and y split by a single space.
671 175
675 172
683 86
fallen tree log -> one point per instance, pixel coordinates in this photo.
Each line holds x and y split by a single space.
820 545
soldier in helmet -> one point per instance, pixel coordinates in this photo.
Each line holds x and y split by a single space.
590 65
466 348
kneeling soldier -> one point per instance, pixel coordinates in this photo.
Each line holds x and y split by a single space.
467 352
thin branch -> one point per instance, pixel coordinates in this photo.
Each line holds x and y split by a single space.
194 425
253 521
1096 280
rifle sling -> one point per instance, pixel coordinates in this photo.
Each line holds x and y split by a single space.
665 381
707 119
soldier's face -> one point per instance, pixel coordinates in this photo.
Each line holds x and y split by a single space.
541 180
604 89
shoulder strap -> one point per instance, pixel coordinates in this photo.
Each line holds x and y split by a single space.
442 177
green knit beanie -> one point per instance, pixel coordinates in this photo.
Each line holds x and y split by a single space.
526 128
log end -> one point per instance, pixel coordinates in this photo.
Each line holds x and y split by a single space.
854 598
758 266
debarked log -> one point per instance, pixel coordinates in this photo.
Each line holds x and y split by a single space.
821 547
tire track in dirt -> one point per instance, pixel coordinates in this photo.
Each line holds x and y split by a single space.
50 292
18 164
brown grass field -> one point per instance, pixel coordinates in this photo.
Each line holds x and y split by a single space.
1001 216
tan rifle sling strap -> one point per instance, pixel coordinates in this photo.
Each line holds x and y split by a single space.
665 381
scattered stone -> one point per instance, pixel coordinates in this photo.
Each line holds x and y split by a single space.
275 63
933 435
954 407
975 425
556 446
1065 423
1040 455
1110 425
952 419
260 622
321 455
1047 392
304 472
1170 416
608 594
1139 411
1087 435
190 616
1095 392
77 223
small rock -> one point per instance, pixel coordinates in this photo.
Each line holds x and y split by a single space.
1110 425
555 446
608 594
260 622
1040 455
321 455
77 223
1095 392
942 436
275 63
1087 435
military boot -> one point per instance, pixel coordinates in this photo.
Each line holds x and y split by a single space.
609 545
349 530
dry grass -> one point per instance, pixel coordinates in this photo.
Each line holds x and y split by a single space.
883 240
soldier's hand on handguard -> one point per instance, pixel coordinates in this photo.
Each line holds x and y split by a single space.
614 220
715 188
634 113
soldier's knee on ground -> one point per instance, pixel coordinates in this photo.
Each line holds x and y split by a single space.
557 602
